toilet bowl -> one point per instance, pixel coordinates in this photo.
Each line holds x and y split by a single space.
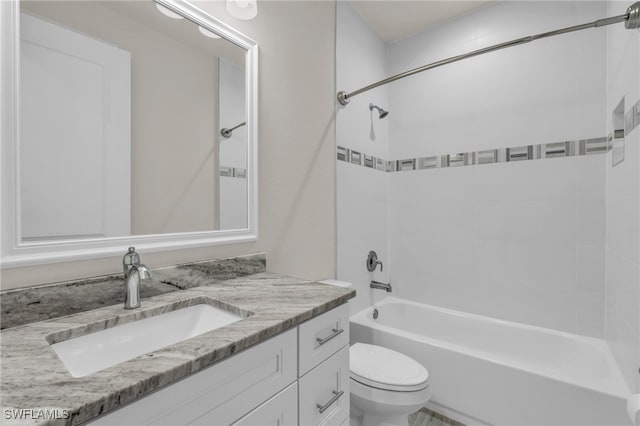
386 386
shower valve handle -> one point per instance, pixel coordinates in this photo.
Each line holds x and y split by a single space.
373 262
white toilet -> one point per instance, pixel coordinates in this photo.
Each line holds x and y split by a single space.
386 386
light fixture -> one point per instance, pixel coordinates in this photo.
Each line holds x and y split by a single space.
205 32
243 9
169 13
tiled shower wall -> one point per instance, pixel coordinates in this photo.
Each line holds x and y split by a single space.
552 241
622 320
522 241
362 194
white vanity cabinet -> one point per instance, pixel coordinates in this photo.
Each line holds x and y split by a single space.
220 394
323 368
300 377
281 410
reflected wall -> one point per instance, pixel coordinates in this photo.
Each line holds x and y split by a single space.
174 134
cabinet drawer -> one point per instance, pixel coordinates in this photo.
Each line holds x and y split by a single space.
223 392
324 392
321 337
281 410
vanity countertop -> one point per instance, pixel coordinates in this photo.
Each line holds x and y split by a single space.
33 377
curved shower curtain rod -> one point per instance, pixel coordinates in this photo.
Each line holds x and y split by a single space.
631 20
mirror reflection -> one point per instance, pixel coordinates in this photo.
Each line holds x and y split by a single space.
122 110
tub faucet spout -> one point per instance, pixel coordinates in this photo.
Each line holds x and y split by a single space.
134 271
381 286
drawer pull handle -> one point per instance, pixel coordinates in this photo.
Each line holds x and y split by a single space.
336 332
336 395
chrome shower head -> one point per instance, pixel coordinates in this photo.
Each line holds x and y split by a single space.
382 113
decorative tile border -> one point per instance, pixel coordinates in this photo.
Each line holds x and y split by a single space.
632 118
501 155
592 146
233 172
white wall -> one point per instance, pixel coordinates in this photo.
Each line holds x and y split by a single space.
362 193
296 151
232 150
623 205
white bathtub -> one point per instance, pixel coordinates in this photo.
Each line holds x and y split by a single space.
484 370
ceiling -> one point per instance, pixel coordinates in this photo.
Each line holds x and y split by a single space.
395 20
182 30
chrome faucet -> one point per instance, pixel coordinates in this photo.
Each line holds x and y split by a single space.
134 271
381 286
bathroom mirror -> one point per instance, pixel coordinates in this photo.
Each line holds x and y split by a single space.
124 123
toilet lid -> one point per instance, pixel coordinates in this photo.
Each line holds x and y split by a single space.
384 368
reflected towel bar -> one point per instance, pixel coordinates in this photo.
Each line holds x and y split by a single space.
226 133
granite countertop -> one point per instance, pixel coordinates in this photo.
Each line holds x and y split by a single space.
26 305
33 377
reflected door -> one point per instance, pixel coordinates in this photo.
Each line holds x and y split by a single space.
75 131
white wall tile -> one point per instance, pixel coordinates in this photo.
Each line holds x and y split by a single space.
503 240
622 296
554 180
588 303
523 241
590 268
351 267
360 60
622 229
538 92
622 317
362 193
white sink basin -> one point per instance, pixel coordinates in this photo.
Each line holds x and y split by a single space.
93 352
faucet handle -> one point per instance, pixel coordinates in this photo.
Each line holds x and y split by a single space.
144 272
373 262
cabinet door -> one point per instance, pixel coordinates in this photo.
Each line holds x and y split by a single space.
281 410
324 392
322 336
223 392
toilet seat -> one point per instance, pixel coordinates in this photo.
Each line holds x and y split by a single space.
386 369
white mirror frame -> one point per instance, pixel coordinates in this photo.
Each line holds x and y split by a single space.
15 252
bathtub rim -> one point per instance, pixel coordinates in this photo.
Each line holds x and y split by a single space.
617 388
